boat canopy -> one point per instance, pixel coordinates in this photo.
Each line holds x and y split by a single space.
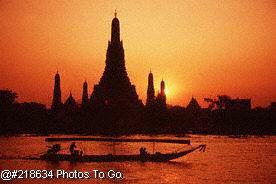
62 139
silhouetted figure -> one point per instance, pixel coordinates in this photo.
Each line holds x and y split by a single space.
56 103
72 148
54 149
143 152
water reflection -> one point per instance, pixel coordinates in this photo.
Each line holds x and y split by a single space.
226 160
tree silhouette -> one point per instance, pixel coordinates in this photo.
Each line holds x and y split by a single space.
218 103
7 98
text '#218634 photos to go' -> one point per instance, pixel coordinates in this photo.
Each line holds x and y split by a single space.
8 175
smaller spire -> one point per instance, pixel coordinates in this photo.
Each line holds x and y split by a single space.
115 13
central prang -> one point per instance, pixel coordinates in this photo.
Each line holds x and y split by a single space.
115 88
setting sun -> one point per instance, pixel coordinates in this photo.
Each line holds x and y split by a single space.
167 91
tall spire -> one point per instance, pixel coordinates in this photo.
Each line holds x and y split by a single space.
162 87
85 94
161 98
56 103
115 30
150 91
115 88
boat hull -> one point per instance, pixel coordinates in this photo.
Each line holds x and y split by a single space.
157 157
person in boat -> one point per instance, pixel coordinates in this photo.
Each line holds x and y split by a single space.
143 151
54 149
72 148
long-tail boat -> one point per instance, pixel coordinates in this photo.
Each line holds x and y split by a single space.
144 156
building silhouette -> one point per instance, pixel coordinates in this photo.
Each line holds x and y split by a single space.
240 105
85 99
272 106
70 104
193 105
115 89
161 97
150 90
57 103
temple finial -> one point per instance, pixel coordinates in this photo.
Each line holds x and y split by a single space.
115 13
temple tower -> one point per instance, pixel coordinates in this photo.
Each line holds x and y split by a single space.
115 88
150 91
85 99
56 103
162 88
161 98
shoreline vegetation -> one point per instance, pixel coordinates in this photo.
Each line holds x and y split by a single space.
34 118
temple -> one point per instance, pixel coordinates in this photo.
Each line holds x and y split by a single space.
150 90
70 104
57 103
115 88
85 99
193 105
161 97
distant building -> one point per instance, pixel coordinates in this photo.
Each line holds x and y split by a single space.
238 105
161 97
150 91
70 103
57 103
272 106
32 106
115 88
193 105
85 100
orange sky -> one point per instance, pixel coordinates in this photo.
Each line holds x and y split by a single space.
201 48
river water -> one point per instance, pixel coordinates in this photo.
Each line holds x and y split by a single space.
226 160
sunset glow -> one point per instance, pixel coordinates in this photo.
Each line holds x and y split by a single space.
200 48
166 92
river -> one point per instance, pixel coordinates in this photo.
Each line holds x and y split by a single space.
226 160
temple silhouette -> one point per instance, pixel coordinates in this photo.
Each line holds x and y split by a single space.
57 103
150 91
115 88
85 98
159 100
115 108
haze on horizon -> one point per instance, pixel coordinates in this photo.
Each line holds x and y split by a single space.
199 48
